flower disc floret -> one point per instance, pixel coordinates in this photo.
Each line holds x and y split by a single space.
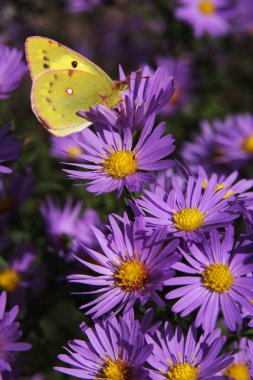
207 7
217 277
188 219
247 144
238 371
9 279
183 371
115 370
120 163
131 275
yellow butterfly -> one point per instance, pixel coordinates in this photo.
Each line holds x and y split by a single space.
65 82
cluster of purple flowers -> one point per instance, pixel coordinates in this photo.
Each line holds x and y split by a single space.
179 244
181 251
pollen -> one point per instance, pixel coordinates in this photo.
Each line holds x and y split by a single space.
183 371
238 371
114 370
175 97
217 277
247 144
120 163
207 7
219 186
9 279
131 275
73 151
188 219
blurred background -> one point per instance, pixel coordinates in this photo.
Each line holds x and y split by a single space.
214 78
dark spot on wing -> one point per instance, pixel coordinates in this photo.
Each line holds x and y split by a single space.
70 73
46 66
50 42
44 51
55 76
54 109
51 84
74 64
46 58
48 100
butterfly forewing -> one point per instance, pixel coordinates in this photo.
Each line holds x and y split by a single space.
44 54
57 95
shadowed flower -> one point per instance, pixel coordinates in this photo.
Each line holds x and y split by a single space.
146 95
21 274
10 148
60 223
215 278
206 16
180 69
77 6
12 70
221 146
116 162
239 369
175 357
9 334
235 140
132 266
115 349
188 212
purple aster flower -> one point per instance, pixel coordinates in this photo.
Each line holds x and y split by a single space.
146 95
203 150
216 279
180 69
239 188
132 266
188 212
223 145
176 357
12 70
67 147
10 148
21 274
116 162
9 334
60 223
239 369
77 6
114 349
206 16
235 140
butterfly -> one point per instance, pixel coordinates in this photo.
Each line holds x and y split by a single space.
65 82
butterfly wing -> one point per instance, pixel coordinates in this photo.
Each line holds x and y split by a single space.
44 54
57 95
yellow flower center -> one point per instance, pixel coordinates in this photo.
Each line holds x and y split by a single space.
175 97
131 275
120 163
247 144
114 370
73 151
207 7
188 219
238 371
217 277
9 279
219 186
183 371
